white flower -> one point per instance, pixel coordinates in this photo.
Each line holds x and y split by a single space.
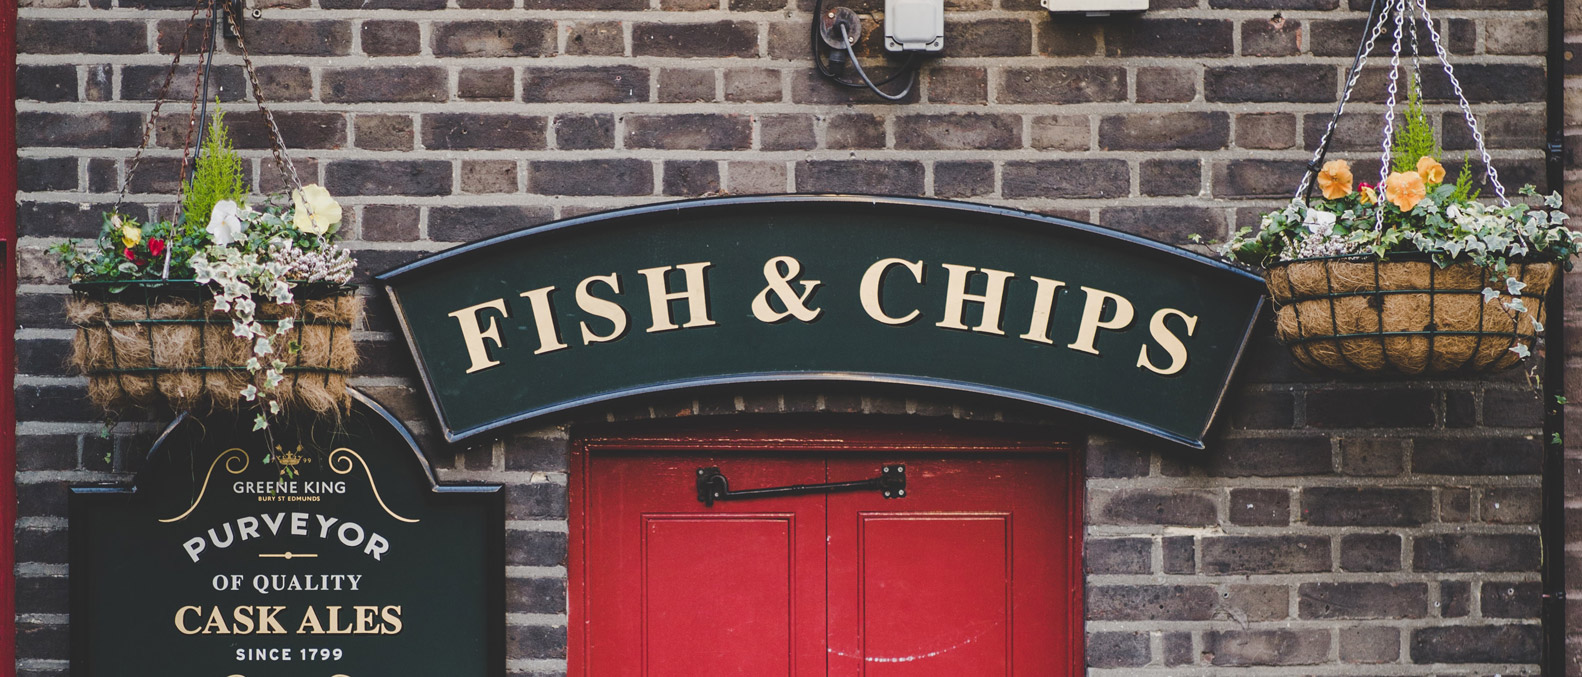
325 211
225 223
1319 222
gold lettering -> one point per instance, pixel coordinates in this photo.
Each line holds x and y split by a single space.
695 292
1092 322
216 624
367 617
244 622
1043 307
956 298
335 614
181 624
474 337
596 306
267 625
871 289
392 617
1167 340
544 320
310 620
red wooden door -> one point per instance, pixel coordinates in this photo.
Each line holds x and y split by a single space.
972 573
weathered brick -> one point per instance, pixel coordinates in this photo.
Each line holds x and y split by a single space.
957 84
989 37
808 87
752 85
385 84
1166 224
1153 506
1501 128
1363 600
1455 504
1265 554
1169 37
792 131
691 131
87 130
1477 644
1256 603
1260 507
1286 83
479 131
56 173
535 548
595 38
535 595
875 176
1372 456
301 38
1061 132
1117 555
1256 178
1270 457
1170 177
465 224
486 84
1165 131
1475 552
1370 644
388 177
390 38
285 83
1177 648
488 176
1066 178
854 130
1366 506
1117 649
1062 84
749 178
591 177
536 641
690 178
388 223
963 179
1512 408
1166 85
57 219
385 132
1179 554
686 85
1150 602
714 39
583 132
598 84
1271 37
1490 456
1266 131
1279 4
80 36
538 500
46 83
960 131
1370 552
1511 505
1239 648
1077 37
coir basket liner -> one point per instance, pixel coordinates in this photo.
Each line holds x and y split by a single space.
1358 315
163 345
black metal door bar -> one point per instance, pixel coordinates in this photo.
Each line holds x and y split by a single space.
712 486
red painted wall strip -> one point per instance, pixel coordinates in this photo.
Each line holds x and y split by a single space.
7 339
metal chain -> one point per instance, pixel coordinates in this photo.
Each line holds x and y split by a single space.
1389 111
277 144
1466 108
1345 96
153 118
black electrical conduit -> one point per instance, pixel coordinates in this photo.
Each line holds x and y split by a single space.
1552 531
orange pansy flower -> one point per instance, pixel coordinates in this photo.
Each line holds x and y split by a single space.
1405 190
1335 179
1431 171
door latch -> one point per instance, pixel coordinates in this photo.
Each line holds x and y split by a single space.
712 486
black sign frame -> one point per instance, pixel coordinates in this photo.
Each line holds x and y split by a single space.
488 497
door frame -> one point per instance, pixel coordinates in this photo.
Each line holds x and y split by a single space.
810 433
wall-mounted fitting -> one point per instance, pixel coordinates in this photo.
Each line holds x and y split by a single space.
915 25
1094 7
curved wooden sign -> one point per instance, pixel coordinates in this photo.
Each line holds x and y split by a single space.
825 288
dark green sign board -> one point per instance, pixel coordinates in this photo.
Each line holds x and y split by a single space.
313 552
893 290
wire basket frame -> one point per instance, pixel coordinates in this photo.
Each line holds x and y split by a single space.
1356 314
159 344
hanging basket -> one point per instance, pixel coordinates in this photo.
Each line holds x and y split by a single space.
1360 315
160 345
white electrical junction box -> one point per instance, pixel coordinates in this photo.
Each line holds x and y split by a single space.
914 25
1094 6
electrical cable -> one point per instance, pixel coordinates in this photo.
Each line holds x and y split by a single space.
892 97
823 68
208 65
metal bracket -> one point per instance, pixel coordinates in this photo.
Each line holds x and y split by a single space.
712 486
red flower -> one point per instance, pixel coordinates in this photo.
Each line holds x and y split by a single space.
156 246
131 256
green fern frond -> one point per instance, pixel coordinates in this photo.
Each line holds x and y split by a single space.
1415 139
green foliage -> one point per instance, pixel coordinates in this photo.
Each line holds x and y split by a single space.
1415 139
217 177
1463 189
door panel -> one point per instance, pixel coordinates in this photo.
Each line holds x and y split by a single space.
962 577
677 589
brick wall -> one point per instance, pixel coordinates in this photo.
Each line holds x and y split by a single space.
1372 528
